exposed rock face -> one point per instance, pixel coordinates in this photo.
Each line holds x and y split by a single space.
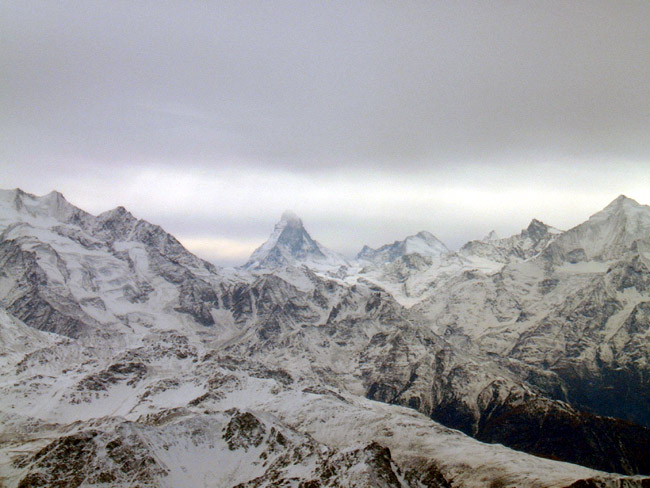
244 431
133 453
367 467
494 406
564 433
34 299
93 458
130 372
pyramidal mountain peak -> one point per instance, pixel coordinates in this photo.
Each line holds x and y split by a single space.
623 200
116 224
622 208
537 229
291 245
621 205
606 234
424 234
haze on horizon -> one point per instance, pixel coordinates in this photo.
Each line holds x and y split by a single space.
370 120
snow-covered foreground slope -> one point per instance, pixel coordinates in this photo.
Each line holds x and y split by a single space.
169 414
127 360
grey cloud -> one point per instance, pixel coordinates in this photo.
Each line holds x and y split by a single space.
548 97
309 85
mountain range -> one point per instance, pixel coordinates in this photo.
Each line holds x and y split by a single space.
126 360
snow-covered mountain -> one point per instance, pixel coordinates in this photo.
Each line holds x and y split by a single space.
621 227
407 268
127 360
423 243
525 245
291 245
577 310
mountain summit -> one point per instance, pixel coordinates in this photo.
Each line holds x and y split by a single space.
18 205
423 243
607 234
528 243
290 244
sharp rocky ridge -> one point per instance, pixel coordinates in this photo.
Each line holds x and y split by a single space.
126 359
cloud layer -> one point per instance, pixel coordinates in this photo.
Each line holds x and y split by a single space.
370 119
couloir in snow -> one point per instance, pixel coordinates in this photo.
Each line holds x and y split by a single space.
125 360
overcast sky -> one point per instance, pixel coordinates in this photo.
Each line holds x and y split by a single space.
371 120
